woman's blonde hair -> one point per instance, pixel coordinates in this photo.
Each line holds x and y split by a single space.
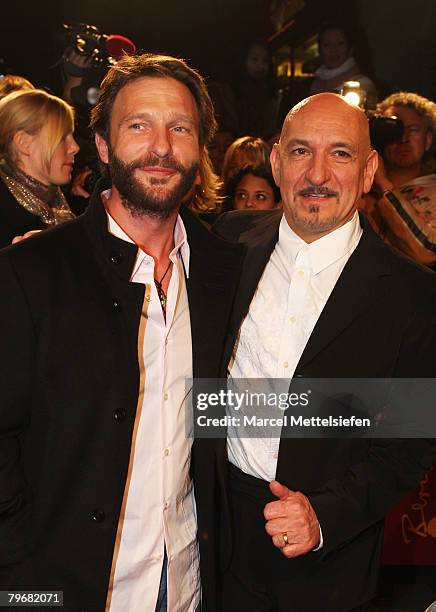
13 82
32 111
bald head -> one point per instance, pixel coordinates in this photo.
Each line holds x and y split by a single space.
323 164
331 104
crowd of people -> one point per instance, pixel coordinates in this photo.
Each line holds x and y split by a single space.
400 205
303 258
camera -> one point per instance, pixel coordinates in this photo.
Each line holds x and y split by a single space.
384 130
87 40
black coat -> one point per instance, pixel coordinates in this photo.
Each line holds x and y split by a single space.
379 322
69 322
14 219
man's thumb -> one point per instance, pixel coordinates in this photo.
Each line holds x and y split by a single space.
278 489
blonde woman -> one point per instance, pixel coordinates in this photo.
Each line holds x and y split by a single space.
37 150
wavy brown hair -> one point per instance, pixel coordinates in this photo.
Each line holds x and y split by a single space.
243 151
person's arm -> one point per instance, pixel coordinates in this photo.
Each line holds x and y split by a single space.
17 354
393 468
405 226
75 66
346 506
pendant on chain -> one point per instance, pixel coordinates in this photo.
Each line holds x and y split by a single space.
161 293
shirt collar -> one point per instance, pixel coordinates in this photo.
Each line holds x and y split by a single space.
326 250
180 239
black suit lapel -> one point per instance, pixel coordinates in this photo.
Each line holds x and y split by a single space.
259 242
353 293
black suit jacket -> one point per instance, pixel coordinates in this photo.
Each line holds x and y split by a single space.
69 322
379 322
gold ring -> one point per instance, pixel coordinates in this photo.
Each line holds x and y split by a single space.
285 539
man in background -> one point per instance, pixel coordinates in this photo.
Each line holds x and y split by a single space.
402 205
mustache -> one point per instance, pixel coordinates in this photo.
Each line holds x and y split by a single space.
153 160
317 190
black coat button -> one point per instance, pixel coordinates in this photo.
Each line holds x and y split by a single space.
120 415
116 258
117 305
98 515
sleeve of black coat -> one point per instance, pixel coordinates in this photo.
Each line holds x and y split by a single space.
393 467
17 350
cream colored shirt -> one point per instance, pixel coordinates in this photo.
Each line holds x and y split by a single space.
158 507
292 292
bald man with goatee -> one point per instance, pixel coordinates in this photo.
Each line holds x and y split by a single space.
320 297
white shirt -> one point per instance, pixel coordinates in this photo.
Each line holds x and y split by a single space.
292 292
158 506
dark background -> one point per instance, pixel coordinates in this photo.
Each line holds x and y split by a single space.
208 33
400 39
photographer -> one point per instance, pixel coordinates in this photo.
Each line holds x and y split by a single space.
402 204
85 62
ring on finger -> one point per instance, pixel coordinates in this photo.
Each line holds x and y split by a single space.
285 539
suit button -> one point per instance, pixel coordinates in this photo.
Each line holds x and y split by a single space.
120 415
98 515
116 258
116 305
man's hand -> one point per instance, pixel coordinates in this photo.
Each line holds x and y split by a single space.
77 186
79 60
75 65
24 236
294 516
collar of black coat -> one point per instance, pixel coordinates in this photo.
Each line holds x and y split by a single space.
211 257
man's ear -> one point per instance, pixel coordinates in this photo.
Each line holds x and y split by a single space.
370 170
275 162
22 142
102 148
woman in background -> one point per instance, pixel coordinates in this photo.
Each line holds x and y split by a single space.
244 151
338 64
252 188
37 150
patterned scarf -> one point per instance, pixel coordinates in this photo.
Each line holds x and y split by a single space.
46 202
